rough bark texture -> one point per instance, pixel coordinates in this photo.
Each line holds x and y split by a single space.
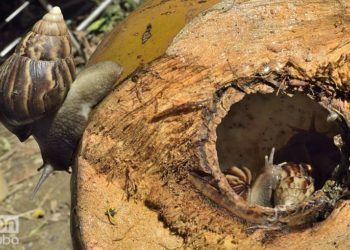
160 124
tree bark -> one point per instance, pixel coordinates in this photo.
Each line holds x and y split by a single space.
220 95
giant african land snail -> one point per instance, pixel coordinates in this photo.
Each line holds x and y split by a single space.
284 184
35 94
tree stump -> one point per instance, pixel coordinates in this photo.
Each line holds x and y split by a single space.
238 79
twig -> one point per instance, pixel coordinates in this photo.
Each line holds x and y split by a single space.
102 6
124 235
22 180
283 83
37 229
7 155
11 193
46 197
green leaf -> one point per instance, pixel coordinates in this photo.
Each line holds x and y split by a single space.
95 26
5 145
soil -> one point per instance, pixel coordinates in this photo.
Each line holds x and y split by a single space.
44 220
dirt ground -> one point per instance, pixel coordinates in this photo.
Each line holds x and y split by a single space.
44 220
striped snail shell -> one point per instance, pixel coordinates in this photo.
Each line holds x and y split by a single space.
240 179
35 80
295 186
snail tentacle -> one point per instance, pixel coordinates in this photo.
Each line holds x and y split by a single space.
47 170
272 154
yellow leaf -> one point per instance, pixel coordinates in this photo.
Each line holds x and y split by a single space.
38 213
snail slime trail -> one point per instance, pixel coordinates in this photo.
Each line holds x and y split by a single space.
275 151
35 94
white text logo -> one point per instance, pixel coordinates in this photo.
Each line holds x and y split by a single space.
9 224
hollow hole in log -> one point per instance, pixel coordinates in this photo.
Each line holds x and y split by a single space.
295 126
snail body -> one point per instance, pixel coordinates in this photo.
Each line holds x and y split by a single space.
58 135
286 184
35 80
265 184
36 97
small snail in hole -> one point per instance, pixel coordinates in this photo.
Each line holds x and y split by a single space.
36 96
284 184
240 179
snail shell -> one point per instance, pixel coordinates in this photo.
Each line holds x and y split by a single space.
295 185
285 184
35 80
240 180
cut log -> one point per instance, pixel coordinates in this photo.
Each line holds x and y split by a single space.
237 80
